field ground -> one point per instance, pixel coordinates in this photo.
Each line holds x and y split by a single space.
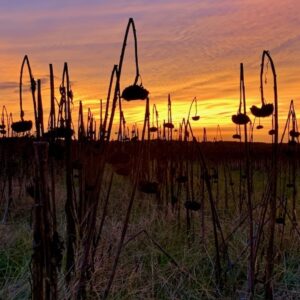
169 252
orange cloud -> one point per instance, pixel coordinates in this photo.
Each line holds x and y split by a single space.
191 48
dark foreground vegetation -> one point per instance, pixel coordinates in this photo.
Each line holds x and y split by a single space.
151 220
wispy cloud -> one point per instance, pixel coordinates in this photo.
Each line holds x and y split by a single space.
186 48
9 85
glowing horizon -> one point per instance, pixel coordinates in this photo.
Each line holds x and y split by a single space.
188 49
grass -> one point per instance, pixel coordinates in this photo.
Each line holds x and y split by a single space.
145 271
15 255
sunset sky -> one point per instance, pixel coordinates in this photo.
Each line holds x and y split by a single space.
186 48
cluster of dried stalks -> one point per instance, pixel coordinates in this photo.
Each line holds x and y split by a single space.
178 176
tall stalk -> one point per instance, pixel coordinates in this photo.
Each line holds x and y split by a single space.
104 133
69 205
119 72
52 121
251 267
40 109
269 293
81 130
33 89
170 130
44 268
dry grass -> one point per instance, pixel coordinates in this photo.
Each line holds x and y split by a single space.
144 270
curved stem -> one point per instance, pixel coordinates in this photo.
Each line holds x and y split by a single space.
33 88
66 79
194 100
130 23
117 86
266 54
